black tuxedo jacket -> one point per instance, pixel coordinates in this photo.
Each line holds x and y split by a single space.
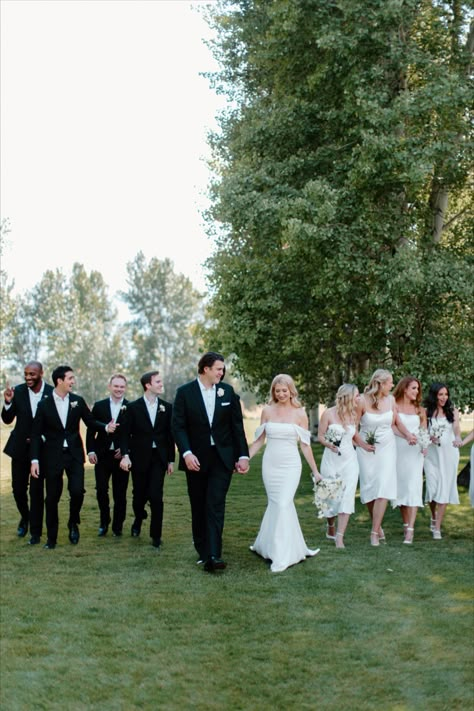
192 431
18 444
47 426
138 434
99 441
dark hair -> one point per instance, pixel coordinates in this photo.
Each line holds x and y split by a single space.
402 385
146 377
208 360
431 402
59 373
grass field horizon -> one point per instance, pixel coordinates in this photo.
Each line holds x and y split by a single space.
113 624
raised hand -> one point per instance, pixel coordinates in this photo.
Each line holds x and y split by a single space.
8 393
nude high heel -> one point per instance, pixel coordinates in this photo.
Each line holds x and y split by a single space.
374 538
409 535
328 526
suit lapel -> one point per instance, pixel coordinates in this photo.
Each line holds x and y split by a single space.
200 400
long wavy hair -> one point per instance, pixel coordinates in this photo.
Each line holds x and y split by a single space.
372 390
431 402
289 382
345 403
402 385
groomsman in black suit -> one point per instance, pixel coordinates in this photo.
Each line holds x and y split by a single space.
21 403
56 423
147 446
209 433
103 451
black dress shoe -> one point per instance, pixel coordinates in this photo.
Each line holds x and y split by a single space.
22 529
50 545
34 540
213 563
116 534
156 542
136 528
74 534
103 531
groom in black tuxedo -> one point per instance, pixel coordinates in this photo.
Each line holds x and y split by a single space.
146 436
56 423
209 433
21 403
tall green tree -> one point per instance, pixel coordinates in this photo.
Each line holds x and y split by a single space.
342 206
168 316
71 320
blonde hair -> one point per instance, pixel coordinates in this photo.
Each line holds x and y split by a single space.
345 403
289 382
373 388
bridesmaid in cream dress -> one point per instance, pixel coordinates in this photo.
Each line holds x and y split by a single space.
442 459
284 423
377 462
410 459
341 462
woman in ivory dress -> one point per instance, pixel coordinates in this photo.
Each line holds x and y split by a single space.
340 462
283 423
442 459
377 461
410 459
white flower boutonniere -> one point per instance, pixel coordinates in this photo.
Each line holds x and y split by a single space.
220 392
162 408
123 408
74 403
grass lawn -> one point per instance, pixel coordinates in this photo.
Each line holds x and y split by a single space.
114 624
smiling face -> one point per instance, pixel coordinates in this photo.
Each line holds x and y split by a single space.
386 386
33 377
442 397
117 388
155 386
281 393
412 390
213 374
65 386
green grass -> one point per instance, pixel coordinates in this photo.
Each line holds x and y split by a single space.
113 624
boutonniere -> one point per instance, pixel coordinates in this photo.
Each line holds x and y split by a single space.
74 403
162 408
220 392
123 408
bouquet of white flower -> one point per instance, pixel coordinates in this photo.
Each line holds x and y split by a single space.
436 430
334 435
327 495
423 437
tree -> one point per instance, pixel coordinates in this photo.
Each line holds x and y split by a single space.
168 317
342 199
71 321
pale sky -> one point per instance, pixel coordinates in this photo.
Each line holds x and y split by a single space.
103 134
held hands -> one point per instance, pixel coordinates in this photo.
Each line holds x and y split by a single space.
457 442
242 466
125 464
411 439
34 470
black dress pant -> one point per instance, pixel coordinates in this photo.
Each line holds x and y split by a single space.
207 490
108 467
20 477
54 487
148 486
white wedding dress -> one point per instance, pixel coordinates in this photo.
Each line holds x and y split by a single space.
280 538
441 467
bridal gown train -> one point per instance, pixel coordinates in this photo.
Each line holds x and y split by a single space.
280 538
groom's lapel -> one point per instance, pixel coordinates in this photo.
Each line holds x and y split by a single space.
199 400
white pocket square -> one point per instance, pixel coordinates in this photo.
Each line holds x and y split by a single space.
224 404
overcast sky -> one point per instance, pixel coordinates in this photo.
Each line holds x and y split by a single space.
103 134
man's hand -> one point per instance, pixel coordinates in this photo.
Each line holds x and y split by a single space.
92 456
34 470
170 469
111 426
8 393
125 464
117 454
192 463
242 466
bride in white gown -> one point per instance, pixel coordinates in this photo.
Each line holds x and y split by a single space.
283 424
